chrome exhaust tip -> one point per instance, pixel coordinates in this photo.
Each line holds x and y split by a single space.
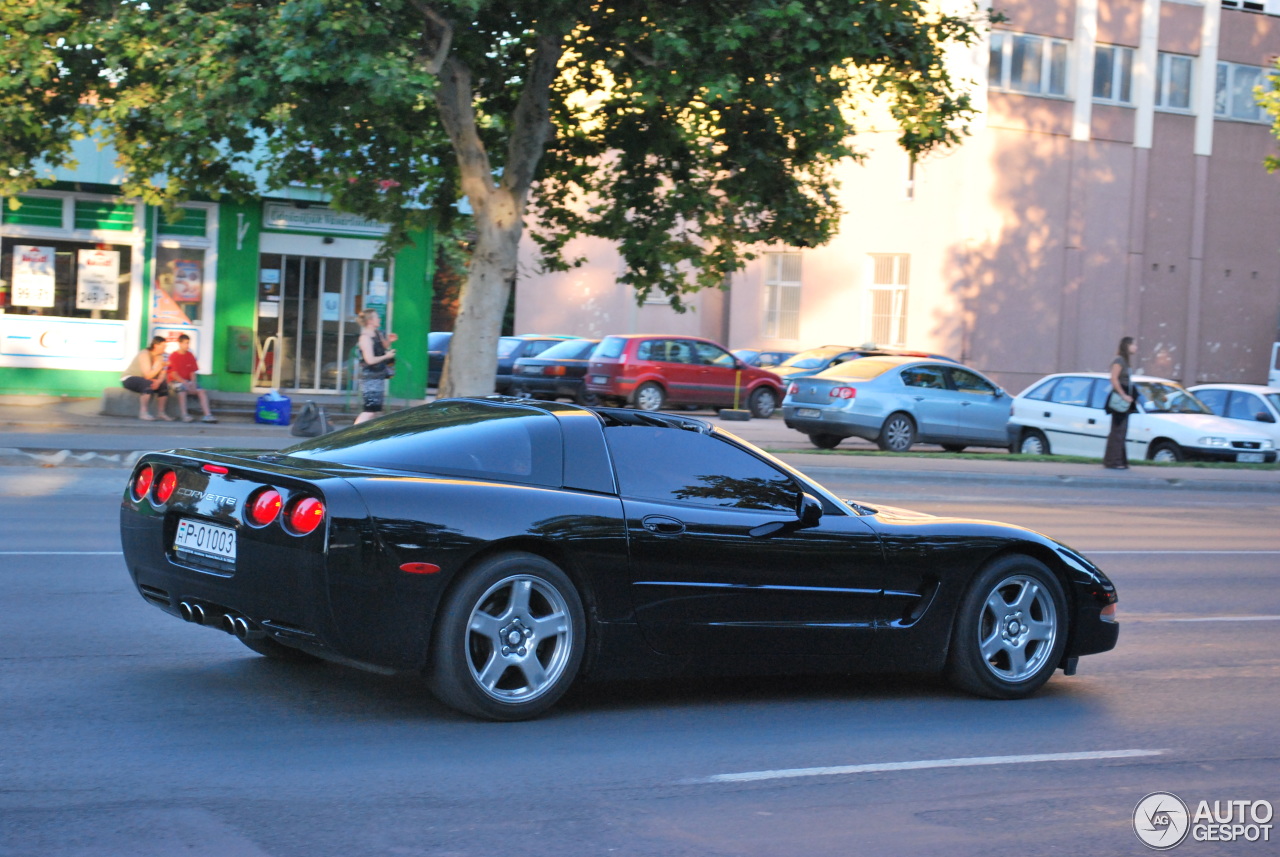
241 628
197 614
228 623
184 610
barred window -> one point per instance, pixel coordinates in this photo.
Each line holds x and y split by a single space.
887 298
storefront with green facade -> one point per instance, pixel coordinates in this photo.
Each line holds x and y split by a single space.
267 291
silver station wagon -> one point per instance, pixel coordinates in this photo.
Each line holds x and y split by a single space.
898 402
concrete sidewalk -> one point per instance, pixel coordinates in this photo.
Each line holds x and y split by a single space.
70 432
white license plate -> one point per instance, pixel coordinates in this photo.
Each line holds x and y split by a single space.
1248 457
811 413
599 379
531 370
207 539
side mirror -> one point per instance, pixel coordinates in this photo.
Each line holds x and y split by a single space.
999 393
1264 417
808 513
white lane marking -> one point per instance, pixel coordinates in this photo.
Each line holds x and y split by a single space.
971 762
1246 553
60 553
1223 619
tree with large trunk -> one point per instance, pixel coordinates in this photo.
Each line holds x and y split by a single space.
684 130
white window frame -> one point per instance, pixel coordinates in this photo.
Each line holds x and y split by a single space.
1225 84
1164 74
208 244
1121 82
781 321
888 276
1002 43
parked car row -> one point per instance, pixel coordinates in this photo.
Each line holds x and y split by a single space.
899 401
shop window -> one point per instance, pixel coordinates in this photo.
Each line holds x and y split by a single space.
67 279
179 285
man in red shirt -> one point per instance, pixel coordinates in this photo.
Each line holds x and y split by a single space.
182 379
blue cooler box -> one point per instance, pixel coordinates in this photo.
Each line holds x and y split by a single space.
274 412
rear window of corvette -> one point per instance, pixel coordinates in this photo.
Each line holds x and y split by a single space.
451 438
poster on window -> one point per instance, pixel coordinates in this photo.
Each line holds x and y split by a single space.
98 279
188 281
33 276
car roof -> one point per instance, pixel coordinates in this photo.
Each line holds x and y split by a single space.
1146 378
1244 388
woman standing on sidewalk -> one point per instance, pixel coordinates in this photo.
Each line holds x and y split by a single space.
375 364
1116 457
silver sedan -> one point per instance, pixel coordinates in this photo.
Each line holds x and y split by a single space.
897 402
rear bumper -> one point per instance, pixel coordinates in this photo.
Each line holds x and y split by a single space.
559 387
841 423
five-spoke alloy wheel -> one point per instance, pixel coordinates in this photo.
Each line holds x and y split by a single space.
510 639
1010 631
650 397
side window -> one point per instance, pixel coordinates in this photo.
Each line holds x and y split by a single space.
649 349
678 466
535 347
924 376
1042 392
971 382
713 355
1072 391
1214 400
1101 390
1244 406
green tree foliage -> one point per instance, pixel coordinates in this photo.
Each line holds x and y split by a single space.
682 129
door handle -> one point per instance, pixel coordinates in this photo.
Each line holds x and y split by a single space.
1047 414
919 398
1092 421
965 404
662 525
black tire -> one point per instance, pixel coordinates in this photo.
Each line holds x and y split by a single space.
953 447
269 648
825 441
1033 442
1010 630
649 397
1166 450
898 434
586 397
762 402
509 639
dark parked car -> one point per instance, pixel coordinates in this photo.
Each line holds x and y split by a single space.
651 372
507 548
557 373
762 359
897 402
437 350
512 348
822 358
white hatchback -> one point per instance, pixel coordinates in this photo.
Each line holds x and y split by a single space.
1249 406
1065 415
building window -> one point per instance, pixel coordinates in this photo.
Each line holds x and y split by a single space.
1234 97
1032 64
1113 74
1173 82
782 296
1246 5
890 275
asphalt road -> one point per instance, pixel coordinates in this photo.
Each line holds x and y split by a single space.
126 732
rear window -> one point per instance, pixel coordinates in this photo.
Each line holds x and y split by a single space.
570 349
1040 392
450 438
812 359
507 345
862 370
611 347
438 341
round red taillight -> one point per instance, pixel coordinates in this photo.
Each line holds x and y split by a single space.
142 484
264 507
165 486
305 515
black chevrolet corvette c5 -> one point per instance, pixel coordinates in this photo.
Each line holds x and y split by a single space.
506 548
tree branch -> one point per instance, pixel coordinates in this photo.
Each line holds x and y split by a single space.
531 124
436 62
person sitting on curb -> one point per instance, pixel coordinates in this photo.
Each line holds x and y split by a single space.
182 378
145 376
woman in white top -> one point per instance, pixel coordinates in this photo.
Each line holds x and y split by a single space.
146 375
